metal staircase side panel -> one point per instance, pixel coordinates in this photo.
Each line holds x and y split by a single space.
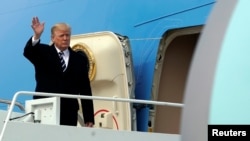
40 132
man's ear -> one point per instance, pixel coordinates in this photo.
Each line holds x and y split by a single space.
51 39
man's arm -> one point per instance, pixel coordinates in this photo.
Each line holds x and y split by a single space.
30 52
87 105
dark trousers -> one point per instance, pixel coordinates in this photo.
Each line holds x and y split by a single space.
68 117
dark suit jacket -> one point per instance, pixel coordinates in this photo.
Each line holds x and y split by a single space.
50 77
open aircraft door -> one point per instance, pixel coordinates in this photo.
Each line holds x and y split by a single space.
174 58
111 75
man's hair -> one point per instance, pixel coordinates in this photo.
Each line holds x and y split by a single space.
60 26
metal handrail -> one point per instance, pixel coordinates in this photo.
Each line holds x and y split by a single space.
19 105
81 97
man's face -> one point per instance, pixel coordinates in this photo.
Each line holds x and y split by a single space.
61 38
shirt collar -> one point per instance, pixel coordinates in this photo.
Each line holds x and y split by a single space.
65 52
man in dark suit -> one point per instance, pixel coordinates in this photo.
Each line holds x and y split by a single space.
51 77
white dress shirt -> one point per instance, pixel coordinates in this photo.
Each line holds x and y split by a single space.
65 55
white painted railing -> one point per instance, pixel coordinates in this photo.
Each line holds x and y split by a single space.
19 105
81 97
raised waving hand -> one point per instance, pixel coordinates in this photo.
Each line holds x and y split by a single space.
37 27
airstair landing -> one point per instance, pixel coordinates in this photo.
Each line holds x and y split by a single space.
29 130
40 132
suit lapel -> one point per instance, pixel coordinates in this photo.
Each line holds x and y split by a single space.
71 59
55 56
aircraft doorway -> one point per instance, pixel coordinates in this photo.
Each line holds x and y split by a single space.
174 58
